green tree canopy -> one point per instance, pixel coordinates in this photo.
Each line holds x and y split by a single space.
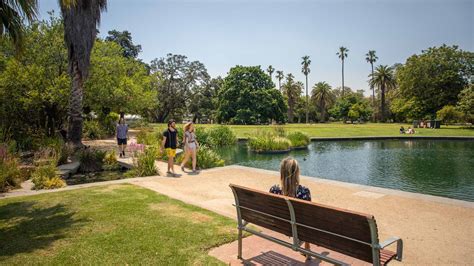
124 39
248 96
435 78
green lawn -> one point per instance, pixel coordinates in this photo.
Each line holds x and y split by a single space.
113 225
348 130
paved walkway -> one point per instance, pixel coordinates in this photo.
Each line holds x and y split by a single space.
436 231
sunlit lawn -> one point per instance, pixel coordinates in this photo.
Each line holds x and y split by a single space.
348 130
113 225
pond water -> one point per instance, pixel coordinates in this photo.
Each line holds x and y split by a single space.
436 167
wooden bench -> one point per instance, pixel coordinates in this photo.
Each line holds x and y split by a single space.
350 233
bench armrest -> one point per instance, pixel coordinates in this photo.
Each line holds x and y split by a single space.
399 246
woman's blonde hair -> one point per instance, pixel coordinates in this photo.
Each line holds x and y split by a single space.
187 126
289 176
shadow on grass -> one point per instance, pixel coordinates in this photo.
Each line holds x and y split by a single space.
26 227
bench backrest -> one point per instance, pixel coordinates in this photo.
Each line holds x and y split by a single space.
340 230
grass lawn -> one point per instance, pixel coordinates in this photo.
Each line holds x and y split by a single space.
114 225
348 130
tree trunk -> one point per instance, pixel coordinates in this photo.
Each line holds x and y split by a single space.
307 105
382 100
75 109
343 78
279 85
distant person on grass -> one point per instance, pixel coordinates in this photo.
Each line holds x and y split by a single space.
190 146
122 135
169 143
402 130
290 183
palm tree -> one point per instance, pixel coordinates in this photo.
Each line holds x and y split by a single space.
270 70
371 58
279 76
305 69
384 79
323 97
292 91
342 54
12 15
81 18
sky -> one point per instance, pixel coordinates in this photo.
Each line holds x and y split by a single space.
225 33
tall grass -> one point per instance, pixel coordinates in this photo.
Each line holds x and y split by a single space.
266 142
10 174
298 139
206 158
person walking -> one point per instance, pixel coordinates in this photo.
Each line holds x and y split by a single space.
122 136
190 146
169 144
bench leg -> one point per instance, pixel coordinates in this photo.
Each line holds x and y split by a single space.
239 251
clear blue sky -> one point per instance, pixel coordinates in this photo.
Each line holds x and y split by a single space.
224 33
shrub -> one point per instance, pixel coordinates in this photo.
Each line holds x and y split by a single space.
144 163
93 130
149 137
110 161
10 174
206 158
279 131
109 123
46 177
449 114
220 136
298 139
57 149
268 142
91 160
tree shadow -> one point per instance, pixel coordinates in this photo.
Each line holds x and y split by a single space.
25 227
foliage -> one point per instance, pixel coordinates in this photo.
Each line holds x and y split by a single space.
10 174
466 102
46 177
144 163
435 78
92 160
322 97
449 114
248 97
124 39
175 79
149 137
109 123
12 15
93 130
268 142
220 136
292 91
205 157
355 101
384 79
203 103
110 161
56 148
298 139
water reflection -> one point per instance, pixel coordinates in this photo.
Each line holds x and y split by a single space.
437 167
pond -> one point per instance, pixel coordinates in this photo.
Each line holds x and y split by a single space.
436 167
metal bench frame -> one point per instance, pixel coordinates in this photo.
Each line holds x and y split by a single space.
295 245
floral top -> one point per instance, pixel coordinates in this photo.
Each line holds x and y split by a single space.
301 192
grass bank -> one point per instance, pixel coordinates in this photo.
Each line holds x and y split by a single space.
113 225
348 130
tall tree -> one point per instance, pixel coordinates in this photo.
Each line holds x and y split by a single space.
81 18
384 79
342 54
292 90
323 98
305 69
371 58
279 76
12 15
124 39
270 71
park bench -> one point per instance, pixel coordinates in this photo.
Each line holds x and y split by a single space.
346 232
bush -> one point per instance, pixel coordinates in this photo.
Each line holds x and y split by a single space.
46 177
220 136
149 137
91 160
206 158
109 123
449 114
93 130
110 161
10 174
56 148
144 163
298 139
263 143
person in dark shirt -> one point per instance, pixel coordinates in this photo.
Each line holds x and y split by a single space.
290 183
169 144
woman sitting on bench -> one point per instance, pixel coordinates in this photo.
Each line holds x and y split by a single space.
290 181
290 184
